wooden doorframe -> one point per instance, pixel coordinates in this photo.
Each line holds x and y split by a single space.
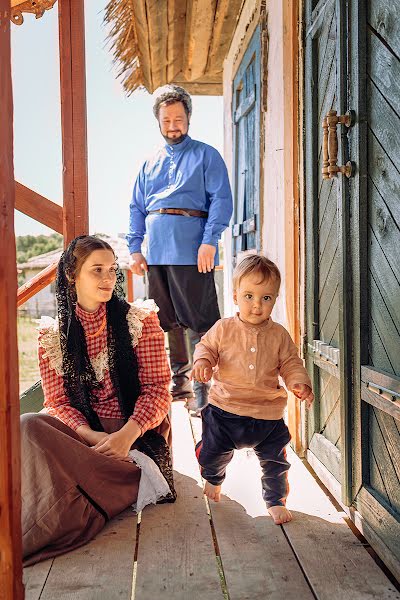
10 456
291 114
345 259
359 251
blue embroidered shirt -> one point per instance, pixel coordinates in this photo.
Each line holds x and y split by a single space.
186 175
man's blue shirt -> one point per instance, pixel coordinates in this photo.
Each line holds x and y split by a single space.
187 175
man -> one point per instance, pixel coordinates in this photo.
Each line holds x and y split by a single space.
182 200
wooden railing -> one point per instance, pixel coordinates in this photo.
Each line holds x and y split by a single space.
37 283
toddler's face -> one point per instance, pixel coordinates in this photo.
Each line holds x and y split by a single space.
256 298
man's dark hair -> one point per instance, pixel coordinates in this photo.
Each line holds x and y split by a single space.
170 94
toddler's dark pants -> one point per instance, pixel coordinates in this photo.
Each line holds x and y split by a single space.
223 432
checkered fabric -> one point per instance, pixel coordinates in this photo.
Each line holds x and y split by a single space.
154 374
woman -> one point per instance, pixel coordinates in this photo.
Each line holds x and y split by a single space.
105 379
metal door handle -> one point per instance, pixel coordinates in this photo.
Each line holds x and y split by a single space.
330 167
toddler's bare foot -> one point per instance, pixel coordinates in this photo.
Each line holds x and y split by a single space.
212 491
280 514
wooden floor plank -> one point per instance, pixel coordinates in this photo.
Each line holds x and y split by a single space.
101 569
334 560
176 557
257 560
35 579
335 563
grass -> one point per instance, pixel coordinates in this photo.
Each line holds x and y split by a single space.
27 352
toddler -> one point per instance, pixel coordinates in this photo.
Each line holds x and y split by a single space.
245 354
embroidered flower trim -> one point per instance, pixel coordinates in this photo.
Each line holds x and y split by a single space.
50 337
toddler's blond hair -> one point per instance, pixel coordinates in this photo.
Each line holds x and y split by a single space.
254 263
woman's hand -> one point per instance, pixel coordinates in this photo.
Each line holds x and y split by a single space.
91 437
202 370
304 393
118 444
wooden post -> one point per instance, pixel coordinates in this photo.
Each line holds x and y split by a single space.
73 118
130 293
11 587
291 188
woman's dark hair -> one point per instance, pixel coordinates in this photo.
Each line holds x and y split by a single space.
80 380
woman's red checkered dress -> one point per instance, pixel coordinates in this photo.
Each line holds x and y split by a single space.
154 375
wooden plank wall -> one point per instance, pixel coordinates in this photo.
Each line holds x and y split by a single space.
10 468
383 97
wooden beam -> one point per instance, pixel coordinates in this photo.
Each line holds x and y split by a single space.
157 17
37 283
130 294
10 460
225 21
73 118
143 42
291 190
207 85
199 30
176 37
200 88
38 207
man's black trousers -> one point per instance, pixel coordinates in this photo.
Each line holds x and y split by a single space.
185 297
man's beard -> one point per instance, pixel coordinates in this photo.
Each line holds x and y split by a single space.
174 141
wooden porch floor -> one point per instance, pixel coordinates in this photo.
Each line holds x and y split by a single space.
231 550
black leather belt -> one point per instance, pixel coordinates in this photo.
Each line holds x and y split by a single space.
185 212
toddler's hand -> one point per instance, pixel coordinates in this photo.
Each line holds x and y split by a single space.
202 370
304 393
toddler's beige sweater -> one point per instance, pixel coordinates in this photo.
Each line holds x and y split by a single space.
247 360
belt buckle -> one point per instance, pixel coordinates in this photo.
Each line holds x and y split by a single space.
163 211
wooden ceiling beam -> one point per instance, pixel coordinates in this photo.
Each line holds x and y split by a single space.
208 85
199 30
157 17
38 207
199 88
143 41
225 21
176 37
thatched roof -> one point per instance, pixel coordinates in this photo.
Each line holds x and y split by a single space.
42 261
155 42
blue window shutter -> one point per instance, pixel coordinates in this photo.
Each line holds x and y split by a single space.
246 147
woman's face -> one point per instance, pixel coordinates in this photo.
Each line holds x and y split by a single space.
96 280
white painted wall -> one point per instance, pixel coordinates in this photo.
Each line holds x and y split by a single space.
272 155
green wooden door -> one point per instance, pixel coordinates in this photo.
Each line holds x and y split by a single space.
376 477
353 262
323 252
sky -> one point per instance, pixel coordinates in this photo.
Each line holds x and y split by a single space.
122 131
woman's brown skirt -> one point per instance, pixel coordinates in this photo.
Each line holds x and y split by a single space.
69 491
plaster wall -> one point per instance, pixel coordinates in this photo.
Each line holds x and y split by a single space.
272 202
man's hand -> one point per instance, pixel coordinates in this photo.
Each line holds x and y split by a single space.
202 370
304 393
118 444
138 264
205 258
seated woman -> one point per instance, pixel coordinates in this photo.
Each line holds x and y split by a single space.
105 378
